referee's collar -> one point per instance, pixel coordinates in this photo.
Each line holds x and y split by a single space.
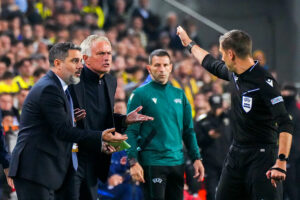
248 70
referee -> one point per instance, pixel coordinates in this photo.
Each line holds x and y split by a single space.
256 162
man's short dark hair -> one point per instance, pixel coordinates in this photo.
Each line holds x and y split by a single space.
21 62
239 41
60 51
159 53
38 72
5 60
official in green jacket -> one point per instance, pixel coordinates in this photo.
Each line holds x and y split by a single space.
156 154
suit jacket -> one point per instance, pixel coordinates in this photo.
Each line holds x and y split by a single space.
4 156
43 150
98 167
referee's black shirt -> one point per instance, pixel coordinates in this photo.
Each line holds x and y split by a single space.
258 113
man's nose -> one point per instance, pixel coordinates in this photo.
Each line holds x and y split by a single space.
161 68
80 65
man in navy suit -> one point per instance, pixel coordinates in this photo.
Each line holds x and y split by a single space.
41 161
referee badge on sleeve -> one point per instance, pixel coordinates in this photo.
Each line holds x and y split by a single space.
247 103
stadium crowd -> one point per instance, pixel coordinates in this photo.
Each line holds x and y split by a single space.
28 29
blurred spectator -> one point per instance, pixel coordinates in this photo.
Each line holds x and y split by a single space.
63 19
290 185
9 8
120 93
22 5
214 51
10 130
25 79
261 57
217 87
191 29
185 81
40 61
137 29
6 84
39 34
119 185
15 26
214 138
45 8
197 74
121 27
118 66
26 31
120 106
94 8
164 40
118 11
201 106
274 73
171 29
21 96
3 24
6 104
4 64
29 48
143 11
5 41
63 35
38 73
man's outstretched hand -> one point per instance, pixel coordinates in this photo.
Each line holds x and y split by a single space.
109 135
135 117
185 39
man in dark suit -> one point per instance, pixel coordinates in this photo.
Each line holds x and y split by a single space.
95 94
41 161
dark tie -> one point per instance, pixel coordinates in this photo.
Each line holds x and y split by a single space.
74 155
70 104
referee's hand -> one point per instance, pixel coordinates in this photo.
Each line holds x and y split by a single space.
199 170
185 39
276 175
137 172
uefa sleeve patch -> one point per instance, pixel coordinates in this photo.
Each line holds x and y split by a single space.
276 100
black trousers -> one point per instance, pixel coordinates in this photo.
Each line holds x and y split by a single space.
212 177
244 174
83 187
163 182
29 190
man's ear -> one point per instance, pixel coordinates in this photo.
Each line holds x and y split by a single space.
171 67
84 57
231 54
57 62
148 68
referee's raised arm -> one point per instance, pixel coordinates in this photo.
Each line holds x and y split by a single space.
214 66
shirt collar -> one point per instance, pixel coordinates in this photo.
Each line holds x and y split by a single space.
247 71
63 84
90 75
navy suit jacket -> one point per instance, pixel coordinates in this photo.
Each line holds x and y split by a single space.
100 166
4 156
43 150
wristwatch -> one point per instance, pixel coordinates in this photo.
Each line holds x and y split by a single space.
282 157
190 46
